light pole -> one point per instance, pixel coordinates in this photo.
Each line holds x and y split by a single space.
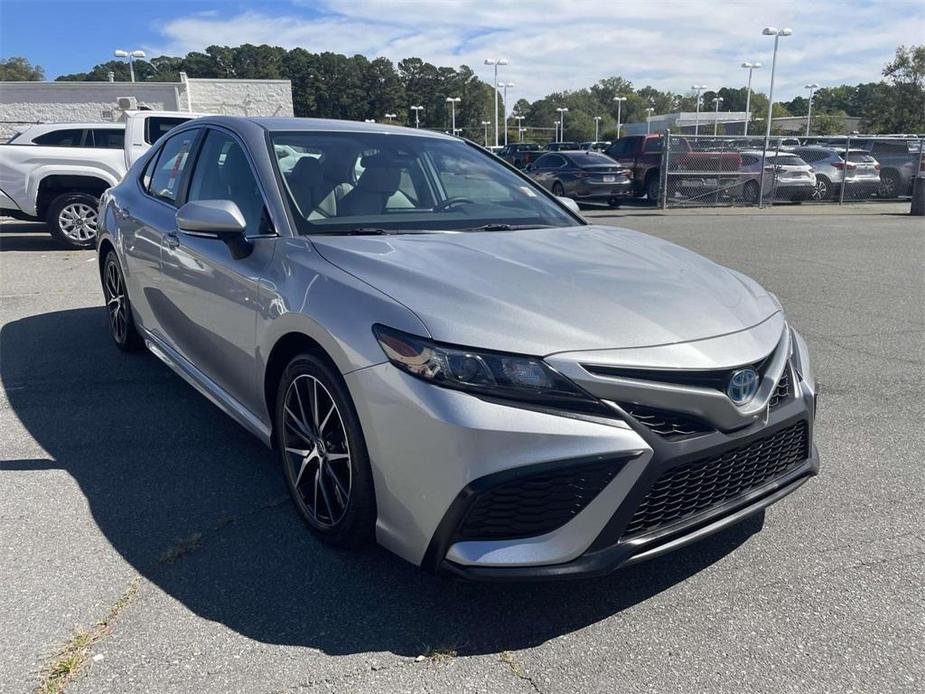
619 100
562 111
391 116
748 92
520 128
452 101
809 112
505 86
496 62
485 124
597 128
131 55
417 115
776 33
555 125
698 88
717 100
649 120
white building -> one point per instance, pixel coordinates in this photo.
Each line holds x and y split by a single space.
25 103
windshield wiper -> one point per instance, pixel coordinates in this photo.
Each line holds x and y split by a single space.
361 231
501 226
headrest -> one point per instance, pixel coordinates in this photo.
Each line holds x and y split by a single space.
306 172
380 176
337 165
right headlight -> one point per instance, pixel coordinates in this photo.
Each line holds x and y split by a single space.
493 374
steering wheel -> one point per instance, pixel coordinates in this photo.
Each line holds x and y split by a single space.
449 202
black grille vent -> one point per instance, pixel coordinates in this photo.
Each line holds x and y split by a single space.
536 504
671 425
783 390
696 487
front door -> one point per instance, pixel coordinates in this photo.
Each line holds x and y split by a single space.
209 312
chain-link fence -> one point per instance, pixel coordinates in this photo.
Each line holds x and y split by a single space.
697 171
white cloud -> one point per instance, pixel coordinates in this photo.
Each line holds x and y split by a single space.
554 44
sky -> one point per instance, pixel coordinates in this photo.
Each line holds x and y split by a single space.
551 45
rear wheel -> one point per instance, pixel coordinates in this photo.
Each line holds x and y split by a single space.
323 453
750 191
652 189
558 190
121 323
615 202
889 184
823 189
72 219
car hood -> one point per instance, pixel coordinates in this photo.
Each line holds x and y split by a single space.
541 291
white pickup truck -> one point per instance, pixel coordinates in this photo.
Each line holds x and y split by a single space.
57 172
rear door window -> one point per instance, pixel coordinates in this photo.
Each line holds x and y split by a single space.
108 138
172 163
62 138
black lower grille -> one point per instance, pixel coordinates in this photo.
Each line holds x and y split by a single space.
700 485
536 504
783 390
671 425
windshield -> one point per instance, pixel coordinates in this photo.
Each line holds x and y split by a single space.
340 182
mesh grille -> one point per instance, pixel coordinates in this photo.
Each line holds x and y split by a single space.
537 504
783 390
671 425
695 487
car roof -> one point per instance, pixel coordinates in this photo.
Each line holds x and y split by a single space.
324 125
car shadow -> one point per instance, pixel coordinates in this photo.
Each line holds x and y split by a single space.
26 236
199 508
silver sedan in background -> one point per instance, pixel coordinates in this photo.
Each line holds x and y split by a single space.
446 358
582 175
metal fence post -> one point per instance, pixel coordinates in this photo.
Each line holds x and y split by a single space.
844 177
764 159
666 156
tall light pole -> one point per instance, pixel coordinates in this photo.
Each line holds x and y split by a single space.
649 120
520 128
562 110
452 101
417 115
555 125
619 100
717 100
776 33
698 88
131 55
748 92
485 124
496 62
391 116
597 128
505 86
809 111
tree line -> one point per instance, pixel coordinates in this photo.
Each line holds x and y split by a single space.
332 85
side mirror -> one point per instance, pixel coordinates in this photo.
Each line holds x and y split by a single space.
217 219
569 203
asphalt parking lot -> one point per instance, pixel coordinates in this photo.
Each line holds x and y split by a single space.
134 511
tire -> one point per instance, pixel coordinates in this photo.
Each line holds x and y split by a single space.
889 184
653 188
824 189
750 191
71 219
340 506
558 190
118 307
615 203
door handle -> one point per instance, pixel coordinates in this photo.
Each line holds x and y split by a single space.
171 240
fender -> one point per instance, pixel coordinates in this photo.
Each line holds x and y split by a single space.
110 175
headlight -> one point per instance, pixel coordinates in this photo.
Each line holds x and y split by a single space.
494 374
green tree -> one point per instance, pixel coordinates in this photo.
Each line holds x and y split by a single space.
18 69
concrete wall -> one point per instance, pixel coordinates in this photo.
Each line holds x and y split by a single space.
24 103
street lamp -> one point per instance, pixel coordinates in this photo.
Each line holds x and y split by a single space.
485 124
649 119
452 101
417 115
698 88
597 128
391 116
520 128
809 112
496 62
504 86
619 100
717 100
131 55
562 111
776 33
748 93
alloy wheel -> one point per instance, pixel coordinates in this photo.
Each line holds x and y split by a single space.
317 452
115 302
77 221
821 191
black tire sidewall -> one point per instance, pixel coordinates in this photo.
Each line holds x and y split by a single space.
750 191
558 190
54 209
652 189
133 341
357 526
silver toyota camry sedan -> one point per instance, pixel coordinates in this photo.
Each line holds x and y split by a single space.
448 359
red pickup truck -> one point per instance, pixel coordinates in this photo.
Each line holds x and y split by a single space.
702 171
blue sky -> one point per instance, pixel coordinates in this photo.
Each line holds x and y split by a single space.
551 44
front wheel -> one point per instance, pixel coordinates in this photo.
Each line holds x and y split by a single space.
323 452
823 189
558 190
72 219
652 189
889 184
